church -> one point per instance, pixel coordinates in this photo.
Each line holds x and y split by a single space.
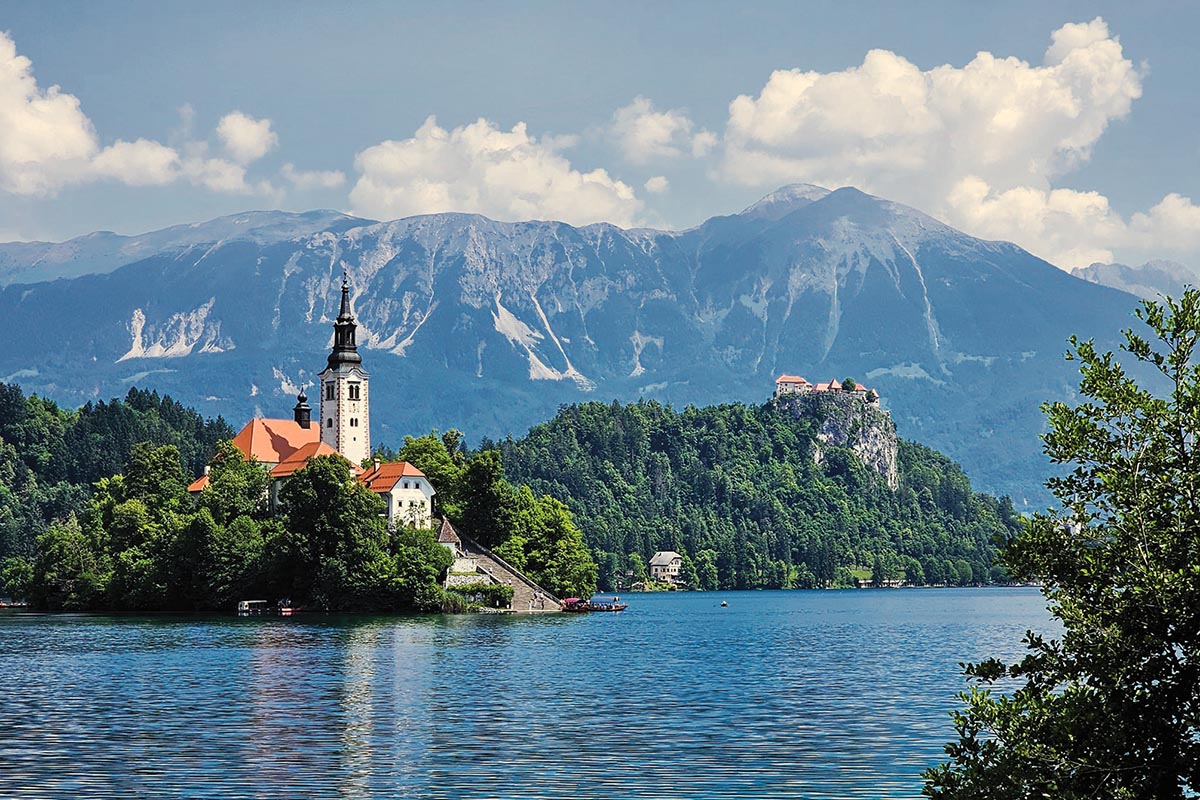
342 427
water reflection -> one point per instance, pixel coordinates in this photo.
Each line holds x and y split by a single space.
783 694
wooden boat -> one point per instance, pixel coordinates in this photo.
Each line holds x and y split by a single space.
576 605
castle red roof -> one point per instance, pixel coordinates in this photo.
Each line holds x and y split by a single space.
198 485
790 379
383 478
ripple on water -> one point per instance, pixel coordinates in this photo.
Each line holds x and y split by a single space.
782 695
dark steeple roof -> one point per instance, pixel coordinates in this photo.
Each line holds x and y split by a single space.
345 350
302 412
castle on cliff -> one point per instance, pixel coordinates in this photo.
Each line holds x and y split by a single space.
794 384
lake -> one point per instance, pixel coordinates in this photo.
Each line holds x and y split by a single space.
813 694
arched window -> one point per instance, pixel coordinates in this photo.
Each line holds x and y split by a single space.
329 391
329 422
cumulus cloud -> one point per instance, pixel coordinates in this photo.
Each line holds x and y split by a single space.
645 134
312 179
46 140
657 185
139 163
979 145
507 175
1072 228
245 138
48 143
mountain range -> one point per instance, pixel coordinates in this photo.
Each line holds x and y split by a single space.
490 326
1154 278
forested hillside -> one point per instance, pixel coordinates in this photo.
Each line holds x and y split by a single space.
735 489
50 457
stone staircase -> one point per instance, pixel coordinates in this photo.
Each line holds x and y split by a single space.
524 589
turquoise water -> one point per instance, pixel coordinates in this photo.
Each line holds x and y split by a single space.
780 695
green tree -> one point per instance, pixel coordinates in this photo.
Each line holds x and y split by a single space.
16 578
637 568
689 578
237 487
418 565
706 570
334 541
70 572
849 384
441 459
554 553
1111 710
488 500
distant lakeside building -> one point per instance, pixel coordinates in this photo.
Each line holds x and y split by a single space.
665 566
284 446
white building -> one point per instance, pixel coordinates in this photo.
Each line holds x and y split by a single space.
665 566
791 384
408 493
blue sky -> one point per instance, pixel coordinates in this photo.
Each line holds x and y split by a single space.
1074 134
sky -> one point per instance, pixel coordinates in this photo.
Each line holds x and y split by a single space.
1072 129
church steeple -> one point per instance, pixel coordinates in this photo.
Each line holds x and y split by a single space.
345 349
345 395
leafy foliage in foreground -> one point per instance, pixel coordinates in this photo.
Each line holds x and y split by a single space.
1113 709
736 490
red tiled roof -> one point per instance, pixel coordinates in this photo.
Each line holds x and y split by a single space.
383 478
833 384
299 458
198 485
273 441
790 379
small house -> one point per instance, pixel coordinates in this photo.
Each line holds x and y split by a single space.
665 566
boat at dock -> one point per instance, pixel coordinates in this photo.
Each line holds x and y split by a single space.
264 608
576 605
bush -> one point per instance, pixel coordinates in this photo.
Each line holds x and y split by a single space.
492 595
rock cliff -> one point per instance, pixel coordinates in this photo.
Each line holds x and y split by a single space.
845 420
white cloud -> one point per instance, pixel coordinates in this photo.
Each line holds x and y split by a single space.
980 145
645 134
1072 228
885 122
1067 227
312 179
1173 224
657 185
216 174
246 139
47 143
140 163
480 168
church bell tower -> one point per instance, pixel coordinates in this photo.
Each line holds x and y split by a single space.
345 399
